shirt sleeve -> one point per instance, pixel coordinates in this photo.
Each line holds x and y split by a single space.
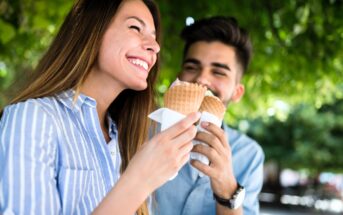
254 183
28 150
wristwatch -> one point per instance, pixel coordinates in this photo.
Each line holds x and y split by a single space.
235 201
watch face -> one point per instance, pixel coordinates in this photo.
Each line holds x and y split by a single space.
237 200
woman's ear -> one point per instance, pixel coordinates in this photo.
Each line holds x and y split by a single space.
238 93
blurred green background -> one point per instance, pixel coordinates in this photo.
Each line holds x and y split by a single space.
293 103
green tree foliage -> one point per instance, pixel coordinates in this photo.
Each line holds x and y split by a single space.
308 139
297 63
26 29
297 48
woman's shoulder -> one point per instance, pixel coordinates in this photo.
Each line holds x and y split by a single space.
43 110
27 116
43 105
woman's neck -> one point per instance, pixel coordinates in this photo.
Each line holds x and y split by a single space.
104 92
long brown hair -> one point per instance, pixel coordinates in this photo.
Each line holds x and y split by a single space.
70 58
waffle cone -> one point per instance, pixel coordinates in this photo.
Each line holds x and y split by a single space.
214 106
185 97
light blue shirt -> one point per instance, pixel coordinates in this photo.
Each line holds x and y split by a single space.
189 194
53 156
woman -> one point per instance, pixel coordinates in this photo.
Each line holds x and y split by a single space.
61 137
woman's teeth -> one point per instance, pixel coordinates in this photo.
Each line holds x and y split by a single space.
140 63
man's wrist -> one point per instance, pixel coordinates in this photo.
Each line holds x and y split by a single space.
226 192
235 201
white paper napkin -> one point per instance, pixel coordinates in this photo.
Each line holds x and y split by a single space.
167 117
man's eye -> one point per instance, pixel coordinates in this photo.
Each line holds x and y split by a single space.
190 69
219 73
135 27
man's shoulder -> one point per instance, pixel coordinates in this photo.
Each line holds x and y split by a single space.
241 141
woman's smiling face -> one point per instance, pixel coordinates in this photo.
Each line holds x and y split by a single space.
129 47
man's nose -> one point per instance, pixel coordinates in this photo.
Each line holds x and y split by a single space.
203 78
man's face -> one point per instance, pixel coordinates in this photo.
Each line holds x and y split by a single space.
214 65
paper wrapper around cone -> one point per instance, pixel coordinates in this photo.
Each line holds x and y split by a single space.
184 98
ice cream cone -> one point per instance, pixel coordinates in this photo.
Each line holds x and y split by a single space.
213 105
184 97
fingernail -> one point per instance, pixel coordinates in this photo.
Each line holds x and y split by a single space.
205 124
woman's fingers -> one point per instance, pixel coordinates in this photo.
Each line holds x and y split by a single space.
186 149
169 150
185 137
181 126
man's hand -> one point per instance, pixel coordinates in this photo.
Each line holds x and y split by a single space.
220 171
218 152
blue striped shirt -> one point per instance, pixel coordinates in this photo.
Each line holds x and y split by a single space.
53 156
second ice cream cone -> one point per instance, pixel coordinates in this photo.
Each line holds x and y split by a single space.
213 105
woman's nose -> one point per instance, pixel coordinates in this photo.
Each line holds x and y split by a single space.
150 44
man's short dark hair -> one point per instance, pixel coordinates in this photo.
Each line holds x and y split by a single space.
222 29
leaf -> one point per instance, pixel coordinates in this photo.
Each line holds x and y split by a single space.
7 32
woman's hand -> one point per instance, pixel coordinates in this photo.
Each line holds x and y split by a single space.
161 157
157 161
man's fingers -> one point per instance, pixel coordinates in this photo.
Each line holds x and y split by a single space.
211 140
216 131
208 151
202 167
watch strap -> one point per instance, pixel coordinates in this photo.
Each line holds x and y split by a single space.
230 203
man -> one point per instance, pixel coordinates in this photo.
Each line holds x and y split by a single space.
216 54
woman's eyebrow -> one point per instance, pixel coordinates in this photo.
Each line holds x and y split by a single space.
140 21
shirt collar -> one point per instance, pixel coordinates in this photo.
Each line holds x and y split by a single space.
67 99
113 131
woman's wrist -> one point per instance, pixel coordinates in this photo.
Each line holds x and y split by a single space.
125 197
135 185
